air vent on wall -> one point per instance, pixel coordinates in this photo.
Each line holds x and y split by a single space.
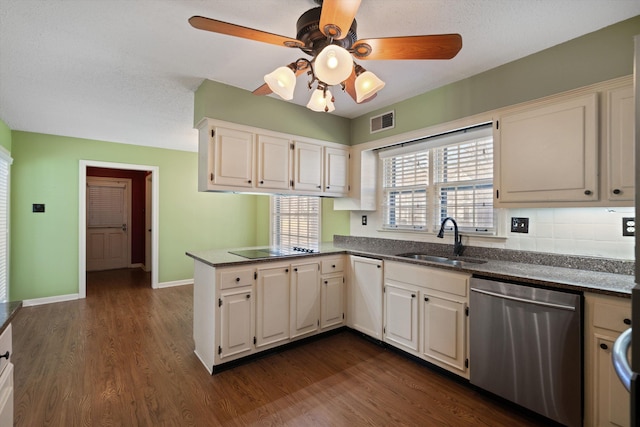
383 122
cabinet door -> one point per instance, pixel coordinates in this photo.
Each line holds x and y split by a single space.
401 316
365 296
336 170
233 158
549 153
272 309
443 329
613 399
308 167
236 322
621 144
274 160
305 299
331 301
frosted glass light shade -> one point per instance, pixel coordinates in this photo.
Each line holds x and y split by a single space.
319 102
367 84
333 65
281 81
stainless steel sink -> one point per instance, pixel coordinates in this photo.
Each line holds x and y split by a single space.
457 261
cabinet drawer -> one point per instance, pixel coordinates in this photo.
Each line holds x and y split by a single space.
5 346
615 317
333 265
236 277
448 282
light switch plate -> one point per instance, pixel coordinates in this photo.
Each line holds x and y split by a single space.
519 225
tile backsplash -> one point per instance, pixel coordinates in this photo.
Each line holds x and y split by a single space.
595 232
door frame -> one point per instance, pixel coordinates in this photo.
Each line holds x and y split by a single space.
82 218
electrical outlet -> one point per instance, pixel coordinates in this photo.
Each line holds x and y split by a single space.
364 220
519 225
628 226
38 207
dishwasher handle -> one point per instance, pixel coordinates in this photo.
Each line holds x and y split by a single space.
619 358
525 300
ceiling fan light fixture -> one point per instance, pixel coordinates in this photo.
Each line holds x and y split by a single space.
282 81
367 84
321 100
333 65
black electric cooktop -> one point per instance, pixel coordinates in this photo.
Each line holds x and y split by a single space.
271 252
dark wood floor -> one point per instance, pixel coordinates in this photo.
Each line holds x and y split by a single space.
124 356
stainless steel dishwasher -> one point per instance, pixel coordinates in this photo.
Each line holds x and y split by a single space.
526 346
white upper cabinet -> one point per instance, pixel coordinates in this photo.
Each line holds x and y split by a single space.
232 158
274 162
336 170
620 144
549 152
571 149
237 158
308 167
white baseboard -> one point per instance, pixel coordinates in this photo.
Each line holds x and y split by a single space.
49 300
175 283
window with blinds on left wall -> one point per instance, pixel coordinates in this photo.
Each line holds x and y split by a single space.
5 167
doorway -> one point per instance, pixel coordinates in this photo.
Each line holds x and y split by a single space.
151 229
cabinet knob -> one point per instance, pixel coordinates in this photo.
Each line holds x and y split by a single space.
261 182
413 295
627 321
604 346
237 279
326 282
295 269
426 298
248 296
6 355
327 187
379 266
286 270
617 191
587 192
333 266
249 181
319 186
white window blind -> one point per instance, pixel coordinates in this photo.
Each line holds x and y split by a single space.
447 175
5 165
295 221
105 205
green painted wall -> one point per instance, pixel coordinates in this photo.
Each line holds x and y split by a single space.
592 58
333 222
219 101
5 136
44 247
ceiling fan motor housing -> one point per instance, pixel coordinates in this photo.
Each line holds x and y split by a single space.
309 33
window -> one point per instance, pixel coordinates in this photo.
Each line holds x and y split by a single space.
5 165
448 175
295 221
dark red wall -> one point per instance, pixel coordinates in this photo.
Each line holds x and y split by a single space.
137 206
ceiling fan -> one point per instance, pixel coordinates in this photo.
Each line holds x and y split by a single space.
328 34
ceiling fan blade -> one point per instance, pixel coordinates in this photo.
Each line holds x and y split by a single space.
350 88
337 16
439 46
215 26
265 90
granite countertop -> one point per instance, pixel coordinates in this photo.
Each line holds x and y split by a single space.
604 276
8 311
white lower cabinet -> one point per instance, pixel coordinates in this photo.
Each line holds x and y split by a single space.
332 292
273 305
401 316
606 399
236 322
365 296
6 378
426 314
305 299
444 331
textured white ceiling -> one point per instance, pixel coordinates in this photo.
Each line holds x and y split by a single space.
126 70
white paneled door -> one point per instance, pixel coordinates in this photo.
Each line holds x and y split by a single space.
107 223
